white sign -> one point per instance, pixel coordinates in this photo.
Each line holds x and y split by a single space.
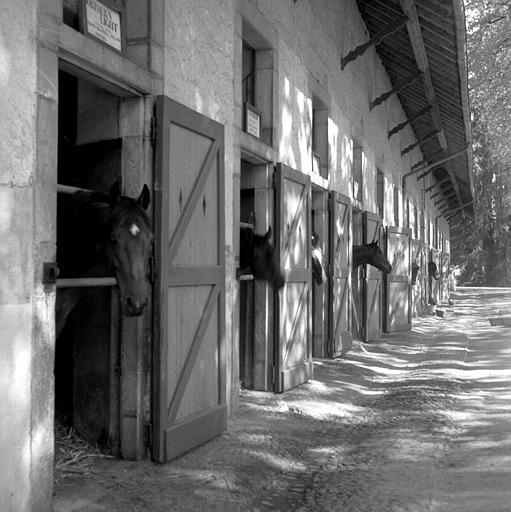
103 23
253 123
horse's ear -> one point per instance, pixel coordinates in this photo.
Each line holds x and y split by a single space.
144 198
114 196
267 236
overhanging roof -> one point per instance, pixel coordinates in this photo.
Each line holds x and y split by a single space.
424 55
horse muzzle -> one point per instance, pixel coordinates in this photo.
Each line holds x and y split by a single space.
133 307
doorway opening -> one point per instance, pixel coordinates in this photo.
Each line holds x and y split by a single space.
256 296
87 352
320 291
357 278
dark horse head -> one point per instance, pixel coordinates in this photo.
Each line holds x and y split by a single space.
128 238
318 270
257 255
372 254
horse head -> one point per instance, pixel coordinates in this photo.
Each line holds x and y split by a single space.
377 258
318 270
372 254
128 239
258 255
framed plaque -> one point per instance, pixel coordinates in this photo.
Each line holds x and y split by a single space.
252 121
105 21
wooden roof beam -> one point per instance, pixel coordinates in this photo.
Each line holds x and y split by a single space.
441 191
376 39
410 120
438 184
454 210
426 137
414 32
395 90
447 198
436 163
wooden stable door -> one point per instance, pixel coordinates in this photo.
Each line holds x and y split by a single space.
398 314
372 286
417 294
436 283
293 334
189 355
445 263
340 338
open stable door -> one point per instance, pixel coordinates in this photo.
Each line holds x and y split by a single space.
417 284
372 287
398 314
293 333
339 332
189 355
436 283
445 263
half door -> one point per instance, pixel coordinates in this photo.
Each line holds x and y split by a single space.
417 281
445 262
189 355
340 337
435 283
372 287
293 333
398 314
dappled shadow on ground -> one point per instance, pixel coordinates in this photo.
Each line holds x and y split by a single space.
414 421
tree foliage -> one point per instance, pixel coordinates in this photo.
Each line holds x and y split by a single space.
483 250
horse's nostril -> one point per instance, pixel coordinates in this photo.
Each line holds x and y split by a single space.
134 307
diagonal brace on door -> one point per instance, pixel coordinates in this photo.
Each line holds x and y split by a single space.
192 200
191 358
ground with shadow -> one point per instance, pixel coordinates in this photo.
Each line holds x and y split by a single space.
416 421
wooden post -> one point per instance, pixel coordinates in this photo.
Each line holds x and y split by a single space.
263 294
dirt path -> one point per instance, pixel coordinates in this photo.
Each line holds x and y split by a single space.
418 421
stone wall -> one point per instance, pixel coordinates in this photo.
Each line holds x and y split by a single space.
25 308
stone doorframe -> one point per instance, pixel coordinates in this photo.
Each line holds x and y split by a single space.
60 47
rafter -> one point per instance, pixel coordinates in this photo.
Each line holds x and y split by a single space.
396 89
454 210
426 137
441 191
447 198
400 126
414 31
428 168
438 184
376 39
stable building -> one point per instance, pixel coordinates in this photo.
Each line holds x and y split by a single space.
348 120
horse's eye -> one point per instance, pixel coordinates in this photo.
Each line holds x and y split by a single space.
113 240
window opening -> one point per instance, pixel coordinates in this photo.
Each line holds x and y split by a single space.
319 137
357 173
380 192
415 223
248 74
396 206
257 82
